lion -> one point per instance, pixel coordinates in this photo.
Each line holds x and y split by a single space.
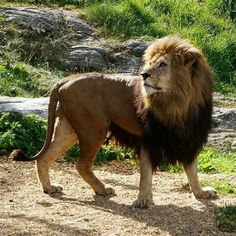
164 114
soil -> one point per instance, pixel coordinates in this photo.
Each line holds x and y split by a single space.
26 210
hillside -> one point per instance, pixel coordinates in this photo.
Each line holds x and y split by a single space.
53 38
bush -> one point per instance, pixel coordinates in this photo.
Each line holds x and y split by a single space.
214 162
24 132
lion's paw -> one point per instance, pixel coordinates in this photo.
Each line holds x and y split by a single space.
142 203
55 188
106 192
207 193
110 191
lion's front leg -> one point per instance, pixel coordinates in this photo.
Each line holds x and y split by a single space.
197 190
145 198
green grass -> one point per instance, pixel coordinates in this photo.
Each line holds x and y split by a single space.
226 218
107 153
213 162
27 81
223 187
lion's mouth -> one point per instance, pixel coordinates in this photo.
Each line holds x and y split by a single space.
148 85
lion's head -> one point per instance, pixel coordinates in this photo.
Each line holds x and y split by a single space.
177 79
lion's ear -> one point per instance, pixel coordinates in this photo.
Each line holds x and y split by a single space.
191 56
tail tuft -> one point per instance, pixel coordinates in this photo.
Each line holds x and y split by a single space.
18 155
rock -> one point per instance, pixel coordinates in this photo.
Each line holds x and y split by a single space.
86 31
223 134
225 118
100 58
135 47
223 101
123 62
86 58
25 106
45 20
73 46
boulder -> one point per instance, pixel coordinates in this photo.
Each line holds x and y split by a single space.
224 118
135 47
25 106
86 58
46 20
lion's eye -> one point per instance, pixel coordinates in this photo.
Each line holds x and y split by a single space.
150 63
162 64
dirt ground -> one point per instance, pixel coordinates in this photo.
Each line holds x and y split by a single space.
25 210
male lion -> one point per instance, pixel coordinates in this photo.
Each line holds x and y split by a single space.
165 114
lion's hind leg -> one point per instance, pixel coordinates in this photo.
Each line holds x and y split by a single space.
195 186
90 143
63 138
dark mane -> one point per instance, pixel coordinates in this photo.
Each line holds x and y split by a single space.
169 145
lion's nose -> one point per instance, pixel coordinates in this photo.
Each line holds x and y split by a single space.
145 75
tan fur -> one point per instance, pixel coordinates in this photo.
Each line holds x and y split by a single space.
87 104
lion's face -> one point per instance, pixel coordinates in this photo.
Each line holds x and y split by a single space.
176 76
157 74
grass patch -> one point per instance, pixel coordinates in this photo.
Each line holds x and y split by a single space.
25 80
223 187
226 218
213 162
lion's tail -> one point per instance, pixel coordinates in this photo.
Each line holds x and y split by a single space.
18 155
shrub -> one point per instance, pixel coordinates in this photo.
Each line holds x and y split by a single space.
24 132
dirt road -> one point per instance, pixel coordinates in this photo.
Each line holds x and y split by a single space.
25 210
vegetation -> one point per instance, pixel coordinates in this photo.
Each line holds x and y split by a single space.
210 161
223 187
107 153
25 132
226 218
24 80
